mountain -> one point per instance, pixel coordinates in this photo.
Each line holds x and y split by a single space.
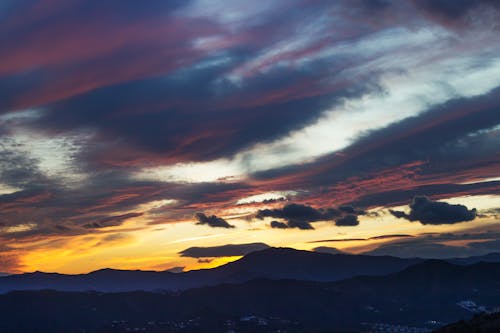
421 296
287 263
481 323
491 257
432 277
272 263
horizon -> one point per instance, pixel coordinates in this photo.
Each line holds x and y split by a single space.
185 134
174 270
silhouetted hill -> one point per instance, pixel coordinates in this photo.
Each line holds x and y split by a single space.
432 277
491 257
428 292
287 263
482 323
273 263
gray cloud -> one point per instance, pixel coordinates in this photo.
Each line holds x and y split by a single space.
278 225
426 211
212 221
388 236
349 220
301 216
112 221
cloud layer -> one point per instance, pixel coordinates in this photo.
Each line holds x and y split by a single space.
116 116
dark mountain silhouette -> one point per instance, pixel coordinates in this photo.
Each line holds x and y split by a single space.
428 292
481 323
491 257
431 277
272 263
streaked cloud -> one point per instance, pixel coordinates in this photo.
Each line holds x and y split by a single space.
120 117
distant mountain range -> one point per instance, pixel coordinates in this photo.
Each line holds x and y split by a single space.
272 263
481 323
423 296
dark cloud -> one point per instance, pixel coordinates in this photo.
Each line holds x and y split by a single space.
204 261
452 9
327 249
278 225
152 83
301 216
178 269
152 97
426 211
10 261
299 224
449 8
56 209
111 221
167 129
212 221
17 169
391 236
351 210
298 216
362 239
347 221
229 250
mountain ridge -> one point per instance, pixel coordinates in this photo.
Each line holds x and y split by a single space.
272 263
412 296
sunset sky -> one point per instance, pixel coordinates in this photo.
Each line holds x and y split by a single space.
149 134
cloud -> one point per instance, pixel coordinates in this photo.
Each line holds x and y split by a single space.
232 106
351 210
278 225
391 165
362 239
299 224
419 249
204 261
347 221
450 11
112 221
426 211
228 250
177 269
212 221
298 216
327 249
301 216
10 260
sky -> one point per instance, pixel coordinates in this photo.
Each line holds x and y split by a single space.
180 135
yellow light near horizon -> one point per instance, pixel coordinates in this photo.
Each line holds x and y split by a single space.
136 245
